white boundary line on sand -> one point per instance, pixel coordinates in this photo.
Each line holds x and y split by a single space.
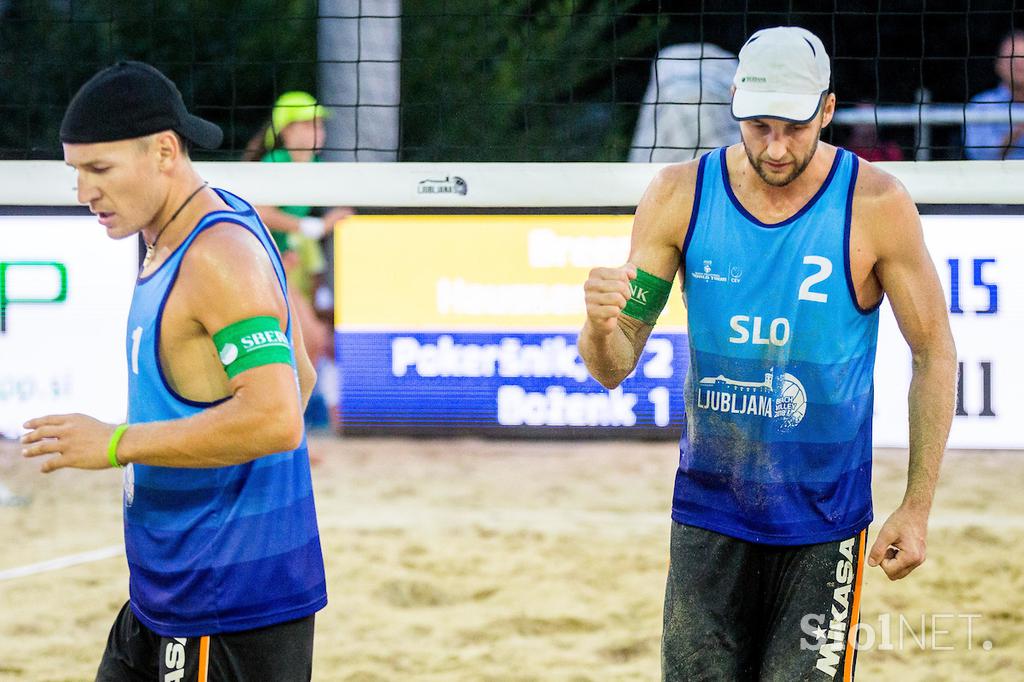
499 519
62 562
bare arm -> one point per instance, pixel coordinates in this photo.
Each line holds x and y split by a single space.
278 220
225 278
304 366
282 221
611 343
909 279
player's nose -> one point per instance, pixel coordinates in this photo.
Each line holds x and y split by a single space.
776 148
87 193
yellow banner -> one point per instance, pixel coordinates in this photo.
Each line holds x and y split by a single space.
476 272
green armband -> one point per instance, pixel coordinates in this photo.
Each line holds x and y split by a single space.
648 296
251 343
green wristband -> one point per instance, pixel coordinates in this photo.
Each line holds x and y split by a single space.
251 343
112 447
648 296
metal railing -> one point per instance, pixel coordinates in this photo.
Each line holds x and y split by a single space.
922 116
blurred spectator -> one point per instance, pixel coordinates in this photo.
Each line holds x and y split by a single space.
685 111
864 141
295 134
1004 140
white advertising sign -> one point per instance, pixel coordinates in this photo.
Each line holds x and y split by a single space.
65 288
980 261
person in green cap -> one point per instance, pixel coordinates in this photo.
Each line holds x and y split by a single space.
295 134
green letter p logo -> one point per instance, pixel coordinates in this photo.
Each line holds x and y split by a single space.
23 293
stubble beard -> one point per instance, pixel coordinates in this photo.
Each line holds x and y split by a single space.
776 181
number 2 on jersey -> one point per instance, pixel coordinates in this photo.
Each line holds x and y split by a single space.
824 271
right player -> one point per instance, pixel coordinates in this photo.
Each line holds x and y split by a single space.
785 247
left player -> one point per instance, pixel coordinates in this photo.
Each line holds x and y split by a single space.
226 571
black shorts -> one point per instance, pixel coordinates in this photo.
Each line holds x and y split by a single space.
282 652
738 611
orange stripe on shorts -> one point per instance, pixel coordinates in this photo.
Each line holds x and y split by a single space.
851 635
204 658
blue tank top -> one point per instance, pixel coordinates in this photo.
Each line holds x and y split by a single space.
779 393
222 549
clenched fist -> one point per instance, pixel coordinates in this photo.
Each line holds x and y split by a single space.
900 546
606 292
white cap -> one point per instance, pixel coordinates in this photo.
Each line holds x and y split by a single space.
783 73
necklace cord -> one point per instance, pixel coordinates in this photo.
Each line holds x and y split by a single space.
151 248
181 208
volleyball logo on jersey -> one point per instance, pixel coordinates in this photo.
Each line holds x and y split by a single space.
778 397
128 483
709 272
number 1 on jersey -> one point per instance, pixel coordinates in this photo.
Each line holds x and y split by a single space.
823 273
136 339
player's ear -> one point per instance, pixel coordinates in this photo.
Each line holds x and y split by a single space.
828 109
168 149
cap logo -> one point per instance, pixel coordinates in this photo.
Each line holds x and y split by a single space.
753 79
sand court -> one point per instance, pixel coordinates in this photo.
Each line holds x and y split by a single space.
497 560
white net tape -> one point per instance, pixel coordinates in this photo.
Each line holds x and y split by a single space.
454 185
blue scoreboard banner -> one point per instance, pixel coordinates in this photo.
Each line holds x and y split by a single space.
473 379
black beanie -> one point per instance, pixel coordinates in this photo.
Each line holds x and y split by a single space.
129 100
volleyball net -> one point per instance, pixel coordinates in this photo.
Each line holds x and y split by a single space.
518 80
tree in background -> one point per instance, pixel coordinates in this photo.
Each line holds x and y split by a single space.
521 80
230 58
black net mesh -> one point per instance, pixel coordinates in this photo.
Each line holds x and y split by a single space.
522 80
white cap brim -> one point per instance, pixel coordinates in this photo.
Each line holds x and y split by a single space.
748 104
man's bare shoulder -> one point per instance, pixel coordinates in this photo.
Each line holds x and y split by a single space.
879 190
675 182
224 258
668 201
883 208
